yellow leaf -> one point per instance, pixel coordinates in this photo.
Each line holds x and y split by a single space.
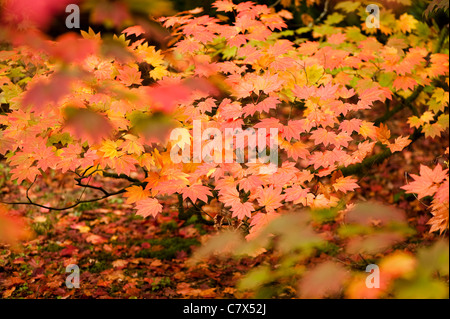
136 193
159 72
110 148
398 265
427 117
414 121
368 130
443 120
407 23
153 57
383 133
432 130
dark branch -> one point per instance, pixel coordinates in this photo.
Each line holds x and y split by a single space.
78 202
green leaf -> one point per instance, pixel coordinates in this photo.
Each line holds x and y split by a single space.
386 79
255 278
334 18
229 52
303 30
443 120
348 6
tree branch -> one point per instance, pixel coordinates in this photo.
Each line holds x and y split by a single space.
121 176
78 202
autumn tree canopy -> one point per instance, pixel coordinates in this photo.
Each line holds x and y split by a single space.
238 119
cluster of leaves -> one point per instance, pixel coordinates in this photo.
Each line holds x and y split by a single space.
435 183
93 106
75 108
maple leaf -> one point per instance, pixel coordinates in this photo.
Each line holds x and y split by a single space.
304 92
345 184
399 144
350 126
110 148
270 198
383 133
426 117
136 30
268 103
124 164
267 83
432 130
229 195
426 183
188 45
224 5
71 48
87 125
135 193
129 76
269 123
250 183
207 105
414 121
404 83
298 194
45 91
440 209
407 23
368 96
132 145
196 191
296 150
21 174
167 96
324 136
241 210
368 129
230 110
147 207
293 129
22 13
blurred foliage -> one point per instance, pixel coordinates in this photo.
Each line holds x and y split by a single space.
301 260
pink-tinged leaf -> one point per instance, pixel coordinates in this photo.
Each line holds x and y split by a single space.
345 184
129 76
404 83
399 144
229 196
321 135
293 129
188 45
241 210
197 191
350 126
297 194
71 48
270 198
426 183
148 206
47 91
136 30
224 5
25 13
207 105
96 239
